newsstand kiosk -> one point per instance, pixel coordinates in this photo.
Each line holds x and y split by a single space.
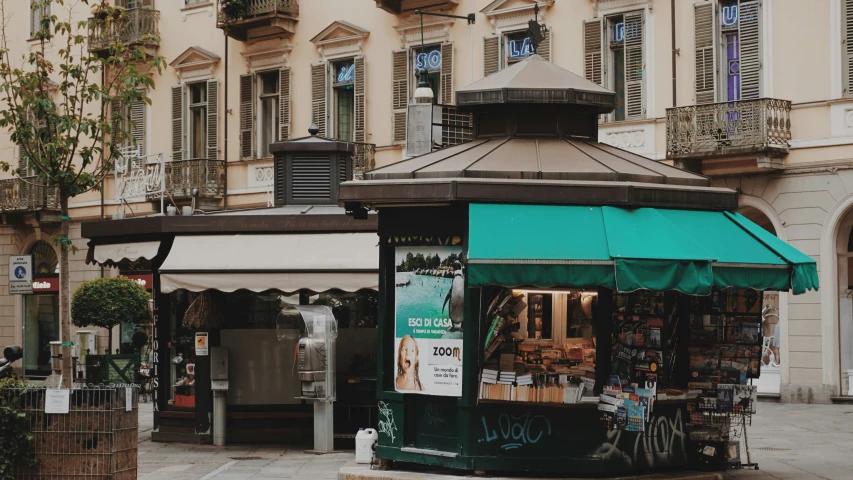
549 303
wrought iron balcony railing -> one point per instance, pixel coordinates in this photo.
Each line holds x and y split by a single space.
208 176
761 126
258 7
138 26
363 160
27 194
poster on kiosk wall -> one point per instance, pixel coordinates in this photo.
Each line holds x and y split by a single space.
430 306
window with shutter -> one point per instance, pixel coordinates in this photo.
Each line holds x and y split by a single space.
399 94
847 47
212 119
310 179
24 167
634 66
703 34
447 73
545 47
38 11
360 131
342 100
246 117
137 125
319 91
178 123
592 51
491 55
284 104
268 85
749 33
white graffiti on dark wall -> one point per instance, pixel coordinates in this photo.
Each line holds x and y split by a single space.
657 445
516 431
386 421
434 415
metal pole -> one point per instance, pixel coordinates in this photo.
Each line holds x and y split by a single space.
219 417
674 54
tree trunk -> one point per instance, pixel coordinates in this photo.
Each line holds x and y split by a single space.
65 291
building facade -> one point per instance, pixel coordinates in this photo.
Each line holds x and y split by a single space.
721 87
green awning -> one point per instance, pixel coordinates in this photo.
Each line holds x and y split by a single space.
625 250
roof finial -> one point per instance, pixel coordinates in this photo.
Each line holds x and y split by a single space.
313 129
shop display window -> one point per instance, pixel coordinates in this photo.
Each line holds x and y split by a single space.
182 352
41 326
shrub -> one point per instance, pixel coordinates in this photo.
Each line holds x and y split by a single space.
107 302
15 434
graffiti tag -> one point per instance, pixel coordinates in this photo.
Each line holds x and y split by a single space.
386 421
433 415
516 431
657 445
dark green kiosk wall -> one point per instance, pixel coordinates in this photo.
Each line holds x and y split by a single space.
460 433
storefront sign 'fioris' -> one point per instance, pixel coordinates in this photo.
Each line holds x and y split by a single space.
137 176
429 303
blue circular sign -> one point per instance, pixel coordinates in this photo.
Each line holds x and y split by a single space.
20 272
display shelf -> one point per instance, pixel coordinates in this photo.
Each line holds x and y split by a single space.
586 402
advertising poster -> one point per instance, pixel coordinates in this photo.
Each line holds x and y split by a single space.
430 307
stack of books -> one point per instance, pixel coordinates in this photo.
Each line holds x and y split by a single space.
490 372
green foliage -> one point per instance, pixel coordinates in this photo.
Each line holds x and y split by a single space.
54 104
107 302
235 8
15 434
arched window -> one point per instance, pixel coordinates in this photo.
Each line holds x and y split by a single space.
45 262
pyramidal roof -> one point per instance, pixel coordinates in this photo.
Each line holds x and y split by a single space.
535 80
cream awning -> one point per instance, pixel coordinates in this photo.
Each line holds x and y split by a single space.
111 254
317 262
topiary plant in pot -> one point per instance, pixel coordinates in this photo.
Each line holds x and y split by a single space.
108 302
235 9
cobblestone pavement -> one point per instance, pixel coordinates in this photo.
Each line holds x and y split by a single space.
789 442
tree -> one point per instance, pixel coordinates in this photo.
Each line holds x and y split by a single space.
55 105
107 302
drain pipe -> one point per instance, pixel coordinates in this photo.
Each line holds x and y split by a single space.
225 133
674 55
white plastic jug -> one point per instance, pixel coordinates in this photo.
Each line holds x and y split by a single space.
365 441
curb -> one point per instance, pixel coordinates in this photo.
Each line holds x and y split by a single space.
365 473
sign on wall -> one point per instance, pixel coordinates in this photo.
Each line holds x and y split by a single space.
21 274
429 313
139 176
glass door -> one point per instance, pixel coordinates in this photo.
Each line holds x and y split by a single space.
41 326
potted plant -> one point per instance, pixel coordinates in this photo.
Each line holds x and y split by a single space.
105 303
235 9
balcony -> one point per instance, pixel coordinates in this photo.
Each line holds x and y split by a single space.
363 159
398 7
139 26
758 129
28 194
259 19
208 176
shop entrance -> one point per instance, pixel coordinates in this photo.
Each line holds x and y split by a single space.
771 358
844 249
41 311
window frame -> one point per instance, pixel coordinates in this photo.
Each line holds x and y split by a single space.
32 17
414 51
607 61
504 48
260 97
192 107
332 97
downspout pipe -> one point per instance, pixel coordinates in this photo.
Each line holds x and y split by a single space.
225 133
674 55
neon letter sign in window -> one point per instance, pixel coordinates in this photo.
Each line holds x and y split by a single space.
729 16
620 32
346 74
429 60
520 48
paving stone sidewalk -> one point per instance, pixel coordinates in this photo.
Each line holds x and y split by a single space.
789 442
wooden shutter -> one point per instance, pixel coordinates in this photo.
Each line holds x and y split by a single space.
544 49
360 130
703 35
24 167
847 47
447 73
311 178
319 91
137 124
284 103
212 119
117 112
592 51
634 65
749 35
247 116
399 94
343 170
491 55
178 123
